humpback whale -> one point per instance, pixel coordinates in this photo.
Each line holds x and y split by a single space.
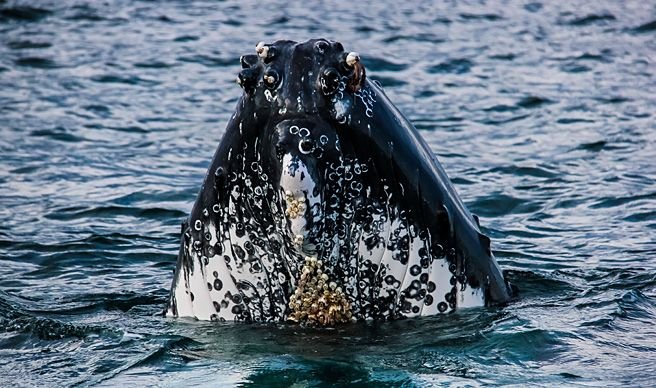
324 205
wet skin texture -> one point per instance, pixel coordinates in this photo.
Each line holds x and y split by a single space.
317 163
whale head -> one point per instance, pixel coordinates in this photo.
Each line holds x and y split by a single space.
323 204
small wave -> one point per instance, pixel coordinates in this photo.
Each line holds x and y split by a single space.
36 62
605 202
24 13
483 16
380 64
27 44
530 102
573 67
501 108
503 57
603 56
533 284
573 120
533 7
420 37
88 303
99 110
58 133
154 65
612 100
587 20
127 129
455 66
535 171
497 204
186 38
89 16
498 120
389 82
649 215
645 28
121 79
209 60
595 146
14 319
111 211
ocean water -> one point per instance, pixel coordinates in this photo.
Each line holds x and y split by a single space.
543 114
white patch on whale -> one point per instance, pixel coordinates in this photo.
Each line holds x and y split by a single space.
470 297
296 180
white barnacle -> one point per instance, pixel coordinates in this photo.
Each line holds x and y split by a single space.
352 58
298 239
262 50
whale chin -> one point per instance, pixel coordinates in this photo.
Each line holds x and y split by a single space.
323 205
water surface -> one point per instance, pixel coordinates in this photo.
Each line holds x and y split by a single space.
542 113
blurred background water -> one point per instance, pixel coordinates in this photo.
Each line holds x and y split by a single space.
541 112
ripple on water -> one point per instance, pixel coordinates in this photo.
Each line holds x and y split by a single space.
379 64
454 66
23 13
603 18
28 44
36 62
59 134
124 79
645 28
530 102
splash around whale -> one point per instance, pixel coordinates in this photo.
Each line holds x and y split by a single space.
324 205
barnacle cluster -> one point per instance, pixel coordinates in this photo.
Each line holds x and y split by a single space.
316 300
295 206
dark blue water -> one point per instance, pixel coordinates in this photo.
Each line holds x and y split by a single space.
543 114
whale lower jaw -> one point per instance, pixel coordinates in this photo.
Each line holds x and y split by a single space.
384 288
248 259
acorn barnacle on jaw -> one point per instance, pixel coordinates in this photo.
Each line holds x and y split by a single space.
266 52
295 206
317 301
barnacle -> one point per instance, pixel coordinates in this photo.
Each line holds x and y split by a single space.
295 206
316 300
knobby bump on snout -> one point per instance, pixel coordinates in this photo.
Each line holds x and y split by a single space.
323 205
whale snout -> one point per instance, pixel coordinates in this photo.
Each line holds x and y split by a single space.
305 147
